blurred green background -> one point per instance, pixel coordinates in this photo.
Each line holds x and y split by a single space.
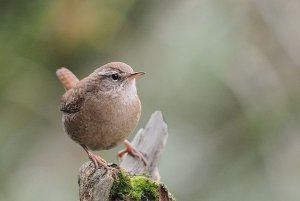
225 74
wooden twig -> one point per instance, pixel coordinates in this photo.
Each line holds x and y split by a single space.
121 182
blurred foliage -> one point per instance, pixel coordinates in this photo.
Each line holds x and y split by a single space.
224 73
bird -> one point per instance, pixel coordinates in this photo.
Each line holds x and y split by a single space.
101 110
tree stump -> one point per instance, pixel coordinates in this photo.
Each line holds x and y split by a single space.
132 180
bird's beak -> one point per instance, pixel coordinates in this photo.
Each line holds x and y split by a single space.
136 75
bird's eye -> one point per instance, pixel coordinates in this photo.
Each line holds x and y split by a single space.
115 76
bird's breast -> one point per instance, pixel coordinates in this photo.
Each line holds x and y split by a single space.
105 122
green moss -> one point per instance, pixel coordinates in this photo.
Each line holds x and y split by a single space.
172 198
143 186
121 186
136 188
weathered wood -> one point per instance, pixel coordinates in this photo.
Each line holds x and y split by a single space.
98 184
151 142
94 184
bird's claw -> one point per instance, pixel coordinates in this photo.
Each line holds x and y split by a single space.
129 149
97 160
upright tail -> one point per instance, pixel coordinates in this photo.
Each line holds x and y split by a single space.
67 78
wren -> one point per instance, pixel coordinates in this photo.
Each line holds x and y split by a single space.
101 110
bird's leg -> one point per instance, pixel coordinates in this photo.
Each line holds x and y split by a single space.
97 160
131 150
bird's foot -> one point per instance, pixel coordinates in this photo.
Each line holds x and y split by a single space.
129 149
97 160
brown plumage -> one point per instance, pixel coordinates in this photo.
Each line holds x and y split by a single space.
101 110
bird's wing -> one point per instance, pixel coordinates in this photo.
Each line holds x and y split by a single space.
72 101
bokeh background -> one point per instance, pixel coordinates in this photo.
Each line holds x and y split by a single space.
225 74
